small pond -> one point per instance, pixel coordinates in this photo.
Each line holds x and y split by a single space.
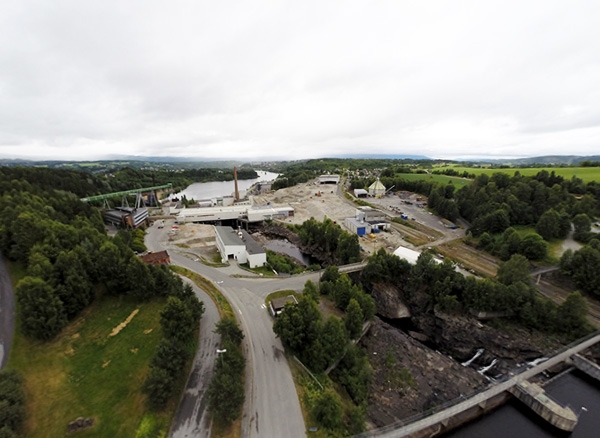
285 247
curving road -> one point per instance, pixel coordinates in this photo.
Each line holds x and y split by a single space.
272 408
7 312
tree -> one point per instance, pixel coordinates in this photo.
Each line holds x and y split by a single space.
355 374
12 402
572 315
41 312
333 339
177 321
311 290
533 247
328 410
549 225
226 390
229 331
342 291
514 270
366 302
159 386
299 324
584 267
170 356
353 320
331 274
582 226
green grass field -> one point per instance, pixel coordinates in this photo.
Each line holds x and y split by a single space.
444 179
586 174
85 372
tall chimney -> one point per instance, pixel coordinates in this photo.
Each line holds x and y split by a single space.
237 193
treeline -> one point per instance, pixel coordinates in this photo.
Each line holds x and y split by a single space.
327 238
12 404
128 178
429 286
545 201
40 179
320 344
63 245
226 390
179 321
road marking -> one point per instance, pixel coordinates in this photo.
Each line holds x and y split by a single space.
262 306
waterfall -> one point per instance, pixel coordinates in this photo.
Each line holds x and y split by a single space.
484 370
477 354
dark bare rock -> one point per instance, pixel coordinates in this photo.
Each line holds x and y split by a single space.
389 302
461 337
79 424
410 378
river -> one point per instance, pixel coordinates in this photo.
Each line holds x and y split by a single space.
216 189
515 420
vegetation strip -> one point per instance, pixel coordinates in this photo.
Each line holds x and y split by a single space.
223 306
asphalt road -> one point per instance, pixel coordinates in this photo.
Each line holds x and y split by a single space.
192 419
7 312
272 408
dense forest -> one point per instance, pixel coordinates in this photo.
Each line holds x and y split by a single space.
68 258
431 286
87 184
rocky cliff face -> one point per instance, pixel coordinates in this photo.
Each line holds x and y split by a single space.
461 336
409 378
389 302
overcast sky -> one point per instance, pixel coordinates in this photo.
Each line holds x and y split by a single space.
299 79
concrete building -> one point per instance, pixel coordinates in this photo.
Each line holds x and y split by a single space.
239 246
126 217
377 189
361 193
366 221
278 304
245 213
329 179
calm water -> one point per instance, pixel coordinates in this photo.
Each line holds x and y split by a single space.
515 420
285 247
215 189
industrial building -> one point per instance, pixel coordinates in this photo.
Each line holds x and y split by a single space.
361 193
278 304
366 221
128 217
377 189
329 179
241 213
410 255
239 246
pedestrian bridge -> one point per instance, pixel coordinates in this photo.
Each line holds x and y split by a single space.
441 420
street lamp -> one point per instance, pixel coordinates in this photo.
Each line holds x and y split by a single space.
582 409
224 350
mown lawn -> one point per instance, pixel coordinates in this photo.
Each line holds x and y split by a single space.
85 372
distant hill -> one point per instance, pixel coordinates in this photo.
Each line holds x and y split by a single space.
162 163
387 156
555 160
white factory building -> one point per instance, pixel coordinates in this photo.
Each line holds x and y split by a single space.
246 213
240 247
